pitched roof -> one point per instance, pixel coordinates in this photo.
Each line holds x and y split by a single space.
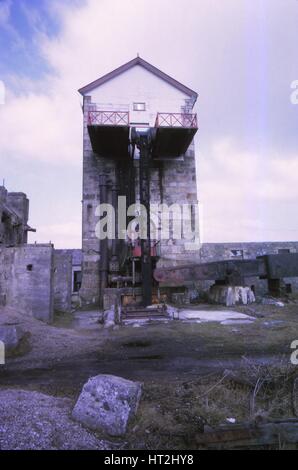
138 61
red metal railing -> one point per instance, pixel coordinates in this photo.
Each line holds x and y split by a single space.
108 118
176 120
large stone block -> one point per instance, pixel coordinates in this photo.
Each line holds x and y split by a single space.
11 336
107 403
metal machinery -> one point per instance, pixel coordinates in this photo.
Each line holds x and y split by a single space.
233 272
130 266
124 264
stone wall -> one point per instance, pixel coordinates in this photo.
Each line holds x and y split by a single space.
90 244
65 263
178 186
62 280
26 280
6 264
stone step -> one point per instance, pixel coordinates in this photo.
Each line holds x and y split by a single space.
130 320
144 317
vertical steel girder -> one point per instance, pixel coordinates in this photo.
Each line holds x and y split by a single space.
144 145
104 261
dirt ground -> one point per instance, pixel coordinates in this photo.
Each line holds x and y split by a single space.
181 366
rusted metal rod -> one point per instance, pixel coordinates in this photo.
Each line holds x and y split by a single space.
145 151
103 261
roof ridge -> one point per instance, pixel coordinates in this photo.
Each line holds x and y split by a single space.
128 65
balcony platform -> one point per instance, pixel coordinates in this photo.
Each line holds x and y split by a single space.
109 133
174 133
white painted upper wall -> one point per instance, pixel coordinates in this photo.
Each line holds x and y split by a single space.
138 85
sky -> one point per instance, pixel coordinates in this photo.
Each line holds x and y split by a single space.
239 55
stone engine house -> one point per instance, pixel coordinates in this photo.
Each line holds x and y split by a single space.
139 125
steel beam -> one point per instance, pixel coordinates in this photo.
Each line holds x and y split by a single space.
104 261
144 144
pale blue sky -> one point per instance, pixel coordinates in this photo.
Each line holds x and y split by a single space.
239 55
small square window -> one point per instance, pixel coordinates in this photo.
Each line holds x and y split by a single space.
139 106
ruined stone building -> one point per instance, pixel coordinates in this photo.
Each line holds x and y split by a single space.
14 213
35 278
26 271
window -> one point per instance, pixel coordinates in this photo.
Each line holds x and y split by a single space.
289 288
283 250
89 213
139 106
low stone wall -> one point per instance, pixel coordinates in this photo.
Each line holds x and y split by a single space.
26 280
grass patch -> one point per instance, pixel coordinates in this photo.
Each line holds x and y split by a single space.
171 414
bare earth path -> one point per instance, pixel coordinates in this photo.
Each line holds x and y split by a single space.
171 359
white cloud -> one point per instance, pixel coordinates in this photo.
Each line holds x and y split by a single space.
44 127
66 235
247 195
